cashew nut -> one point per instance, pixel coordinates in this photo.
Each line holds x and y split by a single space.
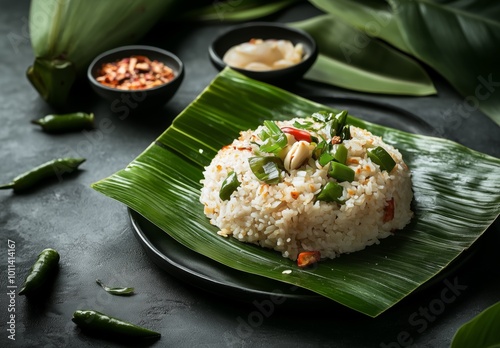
299 152
291 140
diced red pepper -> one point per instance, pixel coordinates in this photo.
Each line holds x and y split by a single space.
298 134
389 210
307 258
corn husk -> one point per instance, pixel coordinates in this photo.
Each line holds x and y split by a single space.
66 35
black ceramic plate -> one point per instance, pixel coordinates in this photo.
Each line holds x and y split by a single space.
212 276
222 280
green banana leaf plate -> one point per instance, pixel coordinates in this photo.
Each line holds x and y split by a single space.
456 198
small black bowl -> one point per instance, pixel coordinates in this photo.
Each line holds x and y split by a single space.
137 99
263 30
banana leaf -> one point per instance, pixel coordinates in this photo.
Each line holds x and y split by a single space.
458 39
350 59
457 196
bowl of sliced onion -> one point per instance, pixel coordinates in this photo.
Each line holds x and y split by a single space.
270 52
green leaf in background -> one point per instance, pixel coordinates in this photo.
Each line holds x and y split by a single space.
456 197
373 17
350 59
482 331
458 39
242 10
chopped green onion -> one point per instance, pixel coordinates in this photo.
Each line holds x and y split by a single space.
267 168
341 154
334 123
331 192
346 132
229 185
341 118
305 125
381 157
274 138
322 116
321 148
341 172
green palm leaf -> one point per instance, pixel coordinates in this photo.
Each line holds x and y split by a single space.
457 196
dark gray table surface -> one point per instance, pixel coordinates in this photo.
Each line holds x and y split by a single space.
95 239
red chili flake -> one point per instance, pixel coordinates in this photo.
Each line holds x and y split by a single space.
389 210
308 258
133 73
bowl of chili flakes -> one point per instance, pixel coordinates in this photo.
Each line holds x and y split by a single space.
139 76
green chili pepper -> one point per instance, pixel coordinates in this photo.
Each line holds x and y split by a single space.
43 268
341 172
331 192
116 291
55 168
96 322
266 168
229 185
381 157
60 123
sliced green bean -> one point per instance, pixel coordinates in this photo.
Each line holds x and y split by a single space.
341 172
341 154
331 192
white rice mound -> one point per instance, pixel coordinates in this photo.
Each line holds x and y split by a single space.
286 216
